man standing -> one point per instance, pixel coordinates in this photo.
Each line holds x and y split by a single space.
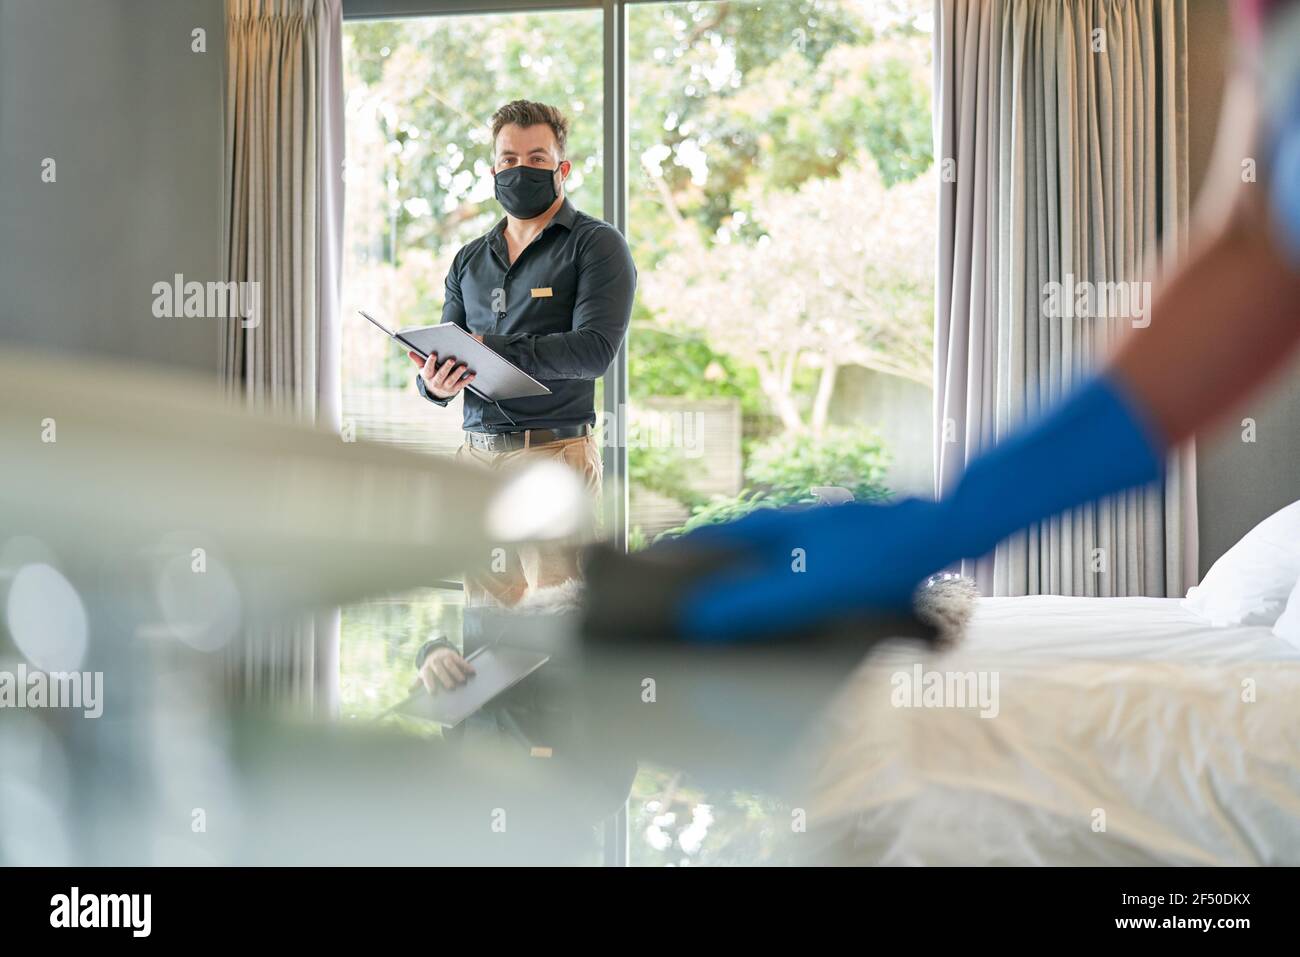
550 288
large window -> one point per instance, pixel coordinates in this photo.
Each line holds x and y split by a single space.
420 95
780 192
779 196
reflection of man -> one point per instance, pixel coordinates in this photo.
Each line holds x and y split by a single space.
550 288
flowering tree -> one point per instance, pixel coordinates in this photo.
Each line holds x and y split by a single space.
837 272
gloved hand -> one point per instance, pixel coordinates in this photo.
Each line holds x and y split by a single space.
798 568
801 568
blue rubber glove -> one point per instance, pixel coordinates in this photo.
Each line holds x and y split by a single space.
801 568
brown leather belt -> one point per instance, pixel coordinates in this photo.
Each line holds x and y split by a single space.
528 438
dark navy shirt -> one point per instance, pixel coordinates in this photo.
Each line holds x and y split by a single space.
559 313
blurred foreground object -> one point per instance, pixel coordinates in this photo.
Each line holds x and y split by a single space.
115 460
146 524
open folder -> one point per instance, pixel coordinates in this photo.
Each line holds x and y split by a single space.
497 668
496 378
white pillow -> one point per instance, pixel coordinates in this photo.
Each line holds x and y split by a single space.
1250 583
1287 627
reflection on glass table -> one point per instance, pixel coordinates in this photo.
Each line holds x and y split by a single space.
671 822
379 641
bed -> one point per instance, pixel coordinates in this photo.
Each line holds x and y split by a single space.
1127 731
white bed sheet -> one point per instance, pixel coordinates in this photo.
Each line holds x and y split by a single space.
1127 714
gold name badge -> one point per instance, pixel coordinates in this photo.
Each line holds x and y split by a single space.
542 292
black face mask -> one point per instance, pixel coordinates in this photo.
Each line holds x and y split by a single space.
526 191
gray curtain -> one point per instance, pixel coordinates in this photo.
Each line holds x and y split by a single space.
284 187
1062 127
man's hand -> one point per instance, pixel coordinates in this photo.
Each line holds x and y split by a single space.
443 380
444 668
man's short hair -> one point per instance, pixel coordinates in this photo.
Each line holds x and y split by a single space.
526 113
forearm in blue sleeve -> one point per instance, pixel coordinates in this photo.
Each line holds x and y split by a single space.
872 557
1096 443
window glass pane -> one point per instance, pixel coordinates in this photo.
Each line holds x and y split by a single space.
420 96
781 198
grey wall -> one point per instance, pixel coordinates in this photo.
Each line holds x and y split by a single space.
112 92
1238 483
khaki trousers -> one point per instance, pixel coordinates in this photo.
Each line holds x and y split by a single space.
512 574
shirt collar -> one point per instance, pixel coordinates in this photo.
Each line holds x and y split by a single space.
564 216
